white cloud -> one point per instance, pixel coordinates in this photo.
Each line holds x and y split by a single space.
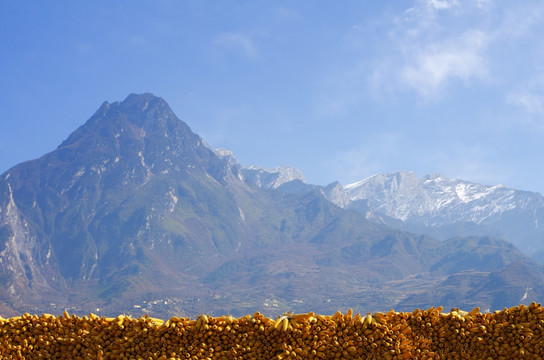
435 49
430 46
238 42
532 103
484 3
441 4
430 69
520 21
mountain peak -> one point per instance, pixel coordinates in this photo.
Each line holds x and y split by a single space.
134 98
135 103
145 110
140 137
145 102
136 117
129 147
272 178
435 176
445 207
134 206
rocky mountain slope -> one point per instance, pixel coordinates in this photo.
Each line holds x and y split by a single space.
441 207
446 207
134 213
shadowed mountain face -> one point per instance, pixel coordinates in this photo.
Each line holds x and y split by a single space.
131 191
134 212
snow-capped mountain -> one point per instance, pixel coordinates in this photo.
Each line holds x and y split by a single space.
433 204
451 207
133 207
404 196
262 177
272 178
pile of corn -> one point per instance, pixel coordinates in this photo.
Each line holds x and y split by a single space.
515 333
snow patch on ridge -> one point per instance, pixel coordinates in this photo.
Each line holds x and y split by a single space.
272 178
404 196
359 183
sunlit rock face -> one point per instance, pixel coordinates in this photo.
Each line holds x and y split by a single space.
446 207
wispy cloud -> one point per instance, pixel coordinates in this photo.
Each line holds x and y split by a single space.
528 98
238 42
429 69
376 155
520 21
436 44
386 152
441 4
484 3
530 102
469 161
426 55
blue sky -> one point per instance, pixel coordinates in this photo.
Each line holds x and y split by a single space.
341 90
